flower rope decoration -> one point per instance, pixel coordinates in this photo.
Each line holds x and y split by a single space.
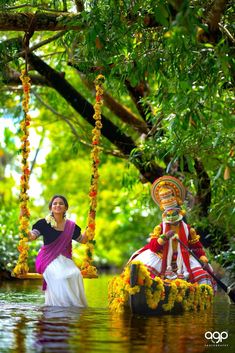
192 296
21 267
87 269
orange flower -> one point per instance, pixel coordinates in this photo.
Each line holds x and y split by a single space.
91 225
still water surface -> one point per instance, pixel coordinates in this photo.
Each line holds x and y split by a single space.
26 326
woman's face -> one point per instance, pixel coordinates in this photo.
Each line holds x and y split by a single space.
58 206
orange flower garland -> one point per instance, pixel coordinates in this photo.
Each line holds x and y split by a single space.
193 296
87 269
21 267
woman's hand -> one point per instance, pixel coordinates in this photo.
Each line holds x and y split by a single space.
31 236
22 212
84 238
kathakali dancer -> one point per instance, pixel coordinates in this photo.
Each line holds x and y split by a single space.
164 256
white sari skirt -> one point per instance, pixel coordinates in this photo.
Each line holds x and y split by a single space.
64 284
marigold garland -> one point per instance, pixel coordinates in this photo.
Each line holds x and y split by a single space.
87 269
193 296
21 267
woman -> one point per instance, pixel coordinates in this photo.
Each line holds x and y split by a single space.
164 256
62 280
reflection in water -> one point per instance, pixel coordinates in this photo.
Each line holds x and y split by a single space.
26 326
19 334
53 328
166 333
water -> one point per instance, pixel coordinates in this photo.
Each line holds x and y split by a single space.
26 326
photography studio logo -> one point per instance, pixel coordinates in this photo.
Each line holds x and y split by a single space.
216 338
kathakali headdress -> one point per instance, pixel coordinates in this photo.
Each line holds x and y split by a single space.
169 193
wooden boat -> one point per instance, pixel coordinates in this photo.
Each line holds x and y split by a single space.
138 302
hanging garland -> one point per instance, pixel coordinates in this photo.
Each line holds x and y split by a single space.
21 267
87 269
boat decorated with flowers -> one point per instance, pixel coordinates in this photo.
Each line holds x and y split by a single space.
136 292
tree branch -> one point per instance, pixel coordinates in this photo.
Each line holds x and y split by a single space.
124 114
226 31
81 105
137 93
114 153
119 110
149 170
44 42
12 77
17 7
125 144
41 21
36 153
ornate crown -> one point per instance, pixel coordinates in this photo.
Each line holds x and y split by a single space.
168 192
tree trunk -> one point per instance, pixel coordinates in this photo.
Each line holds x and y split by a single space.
203 188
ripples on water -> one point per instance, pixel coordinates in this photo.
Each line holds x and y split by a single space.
26 326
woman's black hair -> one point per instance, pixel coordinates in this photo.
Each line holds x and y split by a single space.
61 197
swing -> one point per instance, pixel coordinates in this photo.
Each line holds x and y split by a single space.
21 269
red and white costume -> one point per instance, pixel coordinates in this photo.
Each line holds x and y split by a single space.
171 259
172 256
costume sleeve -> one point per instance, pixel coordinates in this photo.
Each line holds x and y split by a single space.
194 244
154 246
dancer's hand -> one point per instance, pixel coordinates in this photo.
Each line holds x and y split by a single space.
169 234
204 259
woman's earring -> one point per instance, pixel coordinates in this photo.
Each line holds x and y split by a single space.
64 215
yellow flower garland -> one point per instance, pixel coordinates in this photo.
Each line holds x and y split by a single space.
21 267
87 269
192 295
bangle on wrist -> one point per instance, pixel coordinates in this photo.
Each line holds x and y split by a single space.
163 237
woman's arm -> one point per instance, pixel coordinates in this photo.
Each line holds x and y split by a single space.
33 234
82 238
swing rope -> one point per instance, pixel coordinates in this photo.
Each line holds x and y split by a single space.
88 270
21 267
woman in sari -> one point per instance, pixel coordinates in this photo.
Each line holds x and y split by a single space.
62 280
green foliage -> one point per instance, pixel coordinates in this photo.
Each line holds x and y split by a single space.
9 239
188 74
